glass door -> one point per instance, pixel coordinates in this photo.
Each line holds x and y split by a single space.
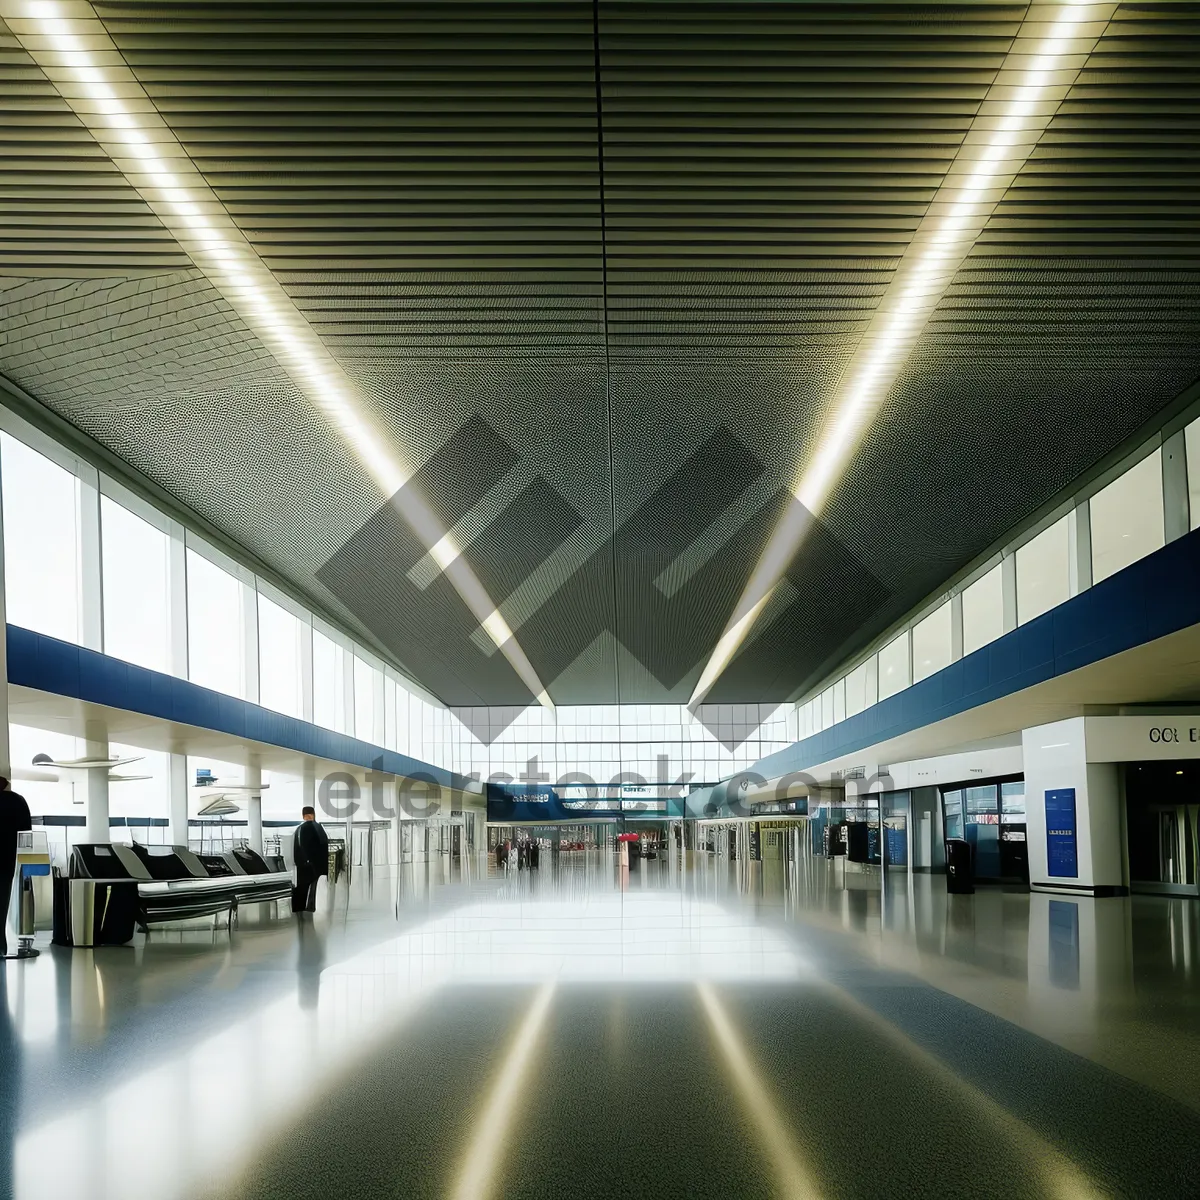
1176 844
952 810
982 819
1014 848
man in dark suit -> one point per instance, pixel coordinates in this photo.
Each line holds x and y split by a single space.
310 849
14 819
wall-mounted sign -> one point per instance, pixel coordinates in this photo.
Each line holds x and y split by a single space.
1138 738
1062 857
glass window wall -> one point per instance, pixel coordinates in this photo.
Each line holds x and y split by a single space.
280 655
364 700
856 690
1043 576
136 560
216 635
983 610
329 683
894 667
41 542
1191 443
1127 518
931 643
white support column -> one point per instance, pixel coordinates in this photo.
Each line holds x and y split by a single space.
348 692
178 798
250 631
956 627
1079 548
254 827
379 710
1008 584
91 573
1056 767
1176 517
306 670
96 826
177 600
872 682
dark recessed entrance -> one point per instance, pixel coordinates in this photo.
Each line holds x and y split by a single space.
1162 814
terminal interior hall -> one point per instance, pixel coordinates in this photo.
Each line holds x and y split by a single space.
600 599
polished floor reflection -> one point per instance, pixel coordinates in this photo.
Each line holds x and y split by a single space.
685 1028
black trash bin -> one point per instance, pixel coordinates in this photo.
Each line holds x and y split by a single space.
960 875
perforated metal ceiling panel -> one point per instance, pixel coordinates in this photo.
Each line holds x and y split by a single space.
624 263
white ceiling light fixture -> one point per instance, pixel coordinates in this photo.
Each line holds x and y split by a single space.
1043 62
70 44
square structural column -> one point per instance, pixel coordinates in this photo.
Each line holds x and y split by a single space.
254 825
1073 813
97 827
177 799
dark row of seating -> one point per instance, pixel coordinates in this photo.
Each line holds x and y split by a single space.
172 883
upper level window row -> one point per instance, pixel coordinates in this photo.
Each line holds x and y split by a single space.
86 563
1114 528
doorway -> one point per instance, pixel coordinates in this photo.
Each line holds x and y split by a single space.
990 817
1162 820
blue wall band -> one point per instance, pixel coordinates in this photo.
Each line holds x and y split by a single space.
1154 597
50 665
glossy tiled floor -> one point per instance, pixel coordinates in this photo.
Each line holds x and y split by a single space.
685 1030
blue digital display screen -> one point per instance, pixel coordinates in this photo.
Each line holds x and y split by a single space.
1062 856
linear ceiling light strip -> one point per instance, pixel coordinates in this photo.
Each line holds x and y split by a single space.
69 43
1049 51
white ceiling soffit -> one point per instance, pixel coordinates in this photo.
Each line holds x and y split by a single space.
1050 49
70 44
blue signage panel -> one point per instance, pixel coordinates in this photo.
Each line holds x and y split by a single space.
1062 857
544 805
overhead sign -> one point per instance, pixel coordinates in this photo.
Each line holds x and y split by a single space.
1142 738
1062 857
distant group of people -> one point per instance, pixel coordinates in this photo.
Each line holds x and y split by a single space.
527 854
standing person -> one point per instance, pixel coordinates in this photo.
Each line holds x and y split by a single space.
310 849
535 852
500 856
14 819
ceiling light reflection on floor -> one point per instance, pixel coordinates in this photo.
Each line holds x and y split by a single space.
481 1164
796 1179
242 1083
